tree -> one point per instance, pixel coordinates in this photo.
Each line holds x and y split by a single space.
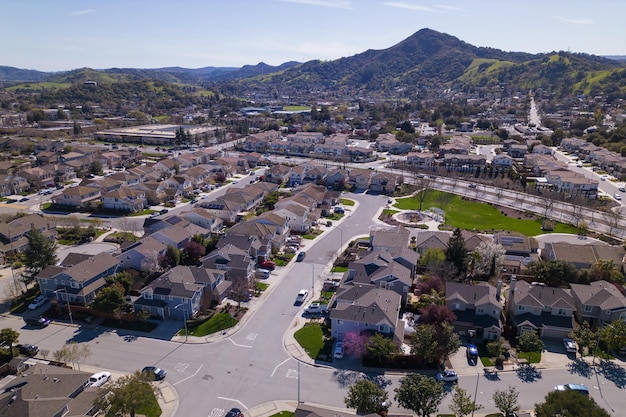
584 337
381 347
420 394
9 337
506 400
355 344
40 253
110 299
456 252
530 342
143 315
437 315
191 253
614 334
96 167
461 404
490 258
433 259
570 404
424 342
365 396
126 395
170 258
424 184
552 273
72 352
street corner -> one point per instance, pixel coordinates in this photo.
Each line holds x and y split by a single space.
168 399
273 407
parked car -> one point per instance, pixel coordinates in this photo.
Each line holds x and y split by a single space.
98 379
164 211
37 321
23 199
37 302
234 412
570 345
338 352
316 308
617 196
268 265
28 350
472 353
573 387
153 373
263 273
300 257
472 185
447 376
302 295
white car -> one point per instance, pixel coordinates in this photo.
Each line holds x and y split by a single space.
570 345
302 295
617 196
338 353
315 308
97 380
37 302
447 376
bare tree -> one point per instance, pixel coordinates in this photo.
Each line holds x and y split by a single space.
612 219
577 215
546 205
424 184
150 264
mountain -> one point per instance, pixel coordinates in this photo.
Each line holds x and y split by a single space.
21 75
430 59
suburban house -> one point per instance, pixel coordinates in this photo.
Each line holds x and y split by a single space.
236 262
78 283
127 200
182 291
546 310
392 240
599 303
204 218
477 308
380 269
78 197
47 390
365 308
583 256
14 235
143 255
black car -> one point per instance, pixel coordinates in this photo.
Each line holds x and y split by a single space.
153 373
37 321
234 412
300 257
28 350
164 211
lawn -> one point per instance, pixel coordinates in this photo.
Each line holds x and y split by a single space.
389 212
152 409
531 357
336 268
216 323
261 286
283 414
477 216
310 338
346 202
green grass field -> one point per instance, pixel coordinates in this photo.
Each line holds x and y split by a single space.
477 216
310 338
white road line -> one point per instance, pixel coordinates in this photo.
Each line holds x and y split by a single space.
232 399
237 344
190 376
279 365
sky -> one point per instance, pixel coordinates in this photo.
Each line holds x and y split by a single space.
59 35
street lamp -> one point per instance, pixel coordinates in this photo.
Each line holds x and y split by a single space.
67 300
184 318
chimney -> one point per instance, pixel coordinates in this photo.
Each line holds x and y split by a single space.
498 290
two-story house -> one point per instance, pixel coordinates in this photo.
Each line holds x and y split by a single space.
598 303
477 308
78 283
546 310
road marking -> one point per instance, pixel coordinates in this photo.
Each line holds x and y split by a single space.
216 412
237 344
190 376
232 399
181 367
252 336
292 373
278 366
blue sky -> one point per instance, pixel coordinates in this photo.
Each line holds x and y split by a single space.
55 35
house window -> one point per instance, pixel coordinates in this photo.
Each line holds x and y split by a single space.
456 306
340 322
480 311
561 312
520 308
382 328
56 281
74 284
147 296
588 308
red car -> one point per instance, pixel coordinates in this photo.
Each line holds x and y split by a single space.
268 264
